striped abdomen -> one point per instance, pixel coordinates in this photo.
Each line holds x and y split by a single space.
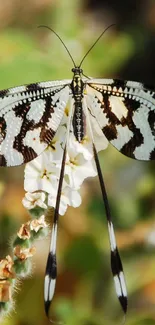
79 116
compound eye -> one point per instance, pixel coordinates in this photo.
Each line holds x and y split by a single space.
73 69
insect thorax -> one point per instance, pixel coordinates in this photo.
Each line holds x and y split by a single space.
77 87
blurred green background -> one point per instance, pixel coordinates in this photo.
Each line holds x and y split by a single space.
84 293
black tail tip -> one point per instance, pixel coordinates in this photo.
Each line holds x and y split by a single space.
47 307
124 303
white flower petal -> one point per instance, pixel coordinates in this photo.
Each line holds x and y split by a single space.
31 200
85 147
74 197
63 203
55 149
41 174
79 171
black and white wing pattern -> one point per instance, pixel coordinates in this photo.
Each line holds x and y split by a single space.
29 118
125 112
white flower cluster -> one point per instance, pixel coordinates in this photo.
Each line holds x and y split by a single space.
42 174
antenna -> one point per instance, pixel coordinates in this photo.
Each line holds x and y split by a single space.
75 66
60 41
95 43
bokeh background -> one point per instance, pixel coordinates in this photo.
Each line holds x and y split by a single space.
85 292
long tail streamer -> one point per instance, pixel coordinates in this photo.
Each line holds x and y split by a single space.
51 267
116 264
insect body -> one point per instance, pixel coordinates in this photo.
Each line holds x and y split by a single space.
77 87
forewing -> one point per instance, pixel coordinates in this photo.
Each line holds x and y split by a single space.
125 111
29 118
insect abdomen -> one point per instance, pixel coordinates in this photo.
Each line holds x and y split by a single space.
79 121
78 117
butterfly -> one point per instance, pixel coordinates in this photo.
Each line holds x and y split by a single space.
30 116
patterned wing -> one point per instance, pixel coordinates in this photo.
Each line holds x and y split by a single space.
125 111
29 118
